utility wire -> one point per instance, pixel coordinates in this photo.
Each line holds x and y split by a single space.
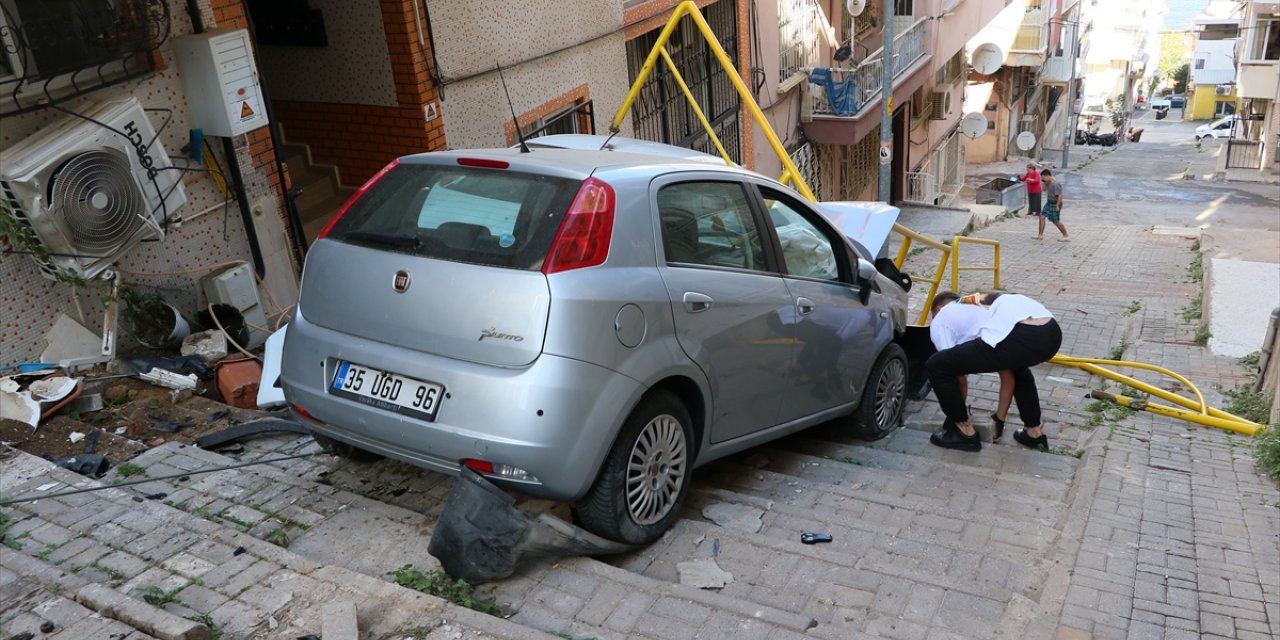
5 503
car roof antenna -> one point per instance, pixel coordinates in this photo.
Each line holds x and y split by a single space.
524 148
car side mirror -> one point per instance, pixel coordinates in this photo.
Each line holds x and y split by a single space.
866 270
866 280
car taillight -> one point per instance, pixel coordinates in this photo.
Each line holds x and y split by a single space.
358 194
305 414
584 235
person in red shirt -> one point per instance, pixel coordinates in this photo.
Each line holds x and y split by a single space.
1034 188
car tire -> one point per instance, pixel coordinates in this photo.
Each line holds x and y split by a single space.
344 450
645 478
884 397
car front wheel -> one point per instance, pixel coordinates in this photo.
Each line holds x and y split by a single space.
644 480
884 396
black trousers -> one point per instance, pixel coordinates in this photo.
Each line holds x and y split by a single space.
1026 346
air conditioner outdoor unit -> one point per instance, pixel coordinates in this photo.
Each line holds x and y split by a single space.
939 105
92 187
1222 90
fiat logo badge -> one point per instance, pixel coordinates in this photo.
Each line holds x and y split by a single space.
401 282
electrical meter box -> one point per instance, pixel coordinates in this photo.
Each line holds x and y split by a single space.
238 288
221 80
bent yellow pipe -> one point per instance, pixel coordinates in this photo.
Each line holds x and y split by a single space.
1237 425
1201 412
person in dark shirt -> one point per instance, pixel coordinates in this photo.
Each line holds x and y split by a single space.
1052 210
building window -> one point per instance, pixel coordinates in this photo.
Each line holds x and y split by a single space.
577 118
1266 40
1199 63
904 7
55 50
797 36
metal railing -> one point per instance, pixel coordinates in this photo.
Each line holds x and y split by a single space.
1244 154
908 47
922 188
994 268
798 36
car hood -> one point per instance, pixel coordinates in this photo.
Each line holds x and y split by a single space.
867 223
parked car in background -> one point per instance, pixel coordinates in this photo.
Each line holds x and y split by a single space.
588 324
1229 126
1164 103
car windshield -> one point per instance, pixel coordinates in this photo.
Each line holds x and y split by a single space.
480 216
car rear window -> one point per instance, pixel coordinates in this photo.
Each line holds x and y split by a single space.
464 214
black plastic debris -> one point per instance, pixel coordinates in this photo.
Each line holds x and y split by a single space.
481 536
252 429
87 463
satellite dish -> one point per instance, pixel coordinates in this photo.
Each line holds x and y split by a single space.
973 124
987 58
1025 140
855 7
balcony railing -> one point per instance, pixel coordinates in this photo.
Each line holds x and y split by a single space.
908 47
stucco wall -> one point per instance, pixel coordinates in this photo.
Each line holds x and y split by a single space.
355 67
212 233
542 59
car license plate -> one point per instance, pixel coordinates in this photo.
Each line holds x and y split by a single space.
388 391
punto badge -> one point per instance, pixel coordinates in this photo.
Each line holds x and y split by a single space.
401 282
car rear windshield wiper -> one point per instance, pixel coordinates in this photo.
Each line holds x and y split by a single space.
384 238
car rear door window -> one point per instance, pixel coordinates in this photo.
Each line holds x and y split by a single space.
710 224
463 214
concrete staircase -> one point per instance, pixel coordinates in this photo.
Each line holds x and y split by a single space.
319 188
926 543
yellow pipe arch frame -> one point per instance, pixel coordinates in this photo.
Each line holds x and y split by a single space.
1198 412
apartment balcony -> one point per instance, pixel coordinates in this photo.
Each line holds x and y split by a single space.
1258 80
857 91
1056 70
1029 41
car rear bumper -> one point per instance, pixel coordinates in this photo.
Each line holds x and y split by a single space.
556 418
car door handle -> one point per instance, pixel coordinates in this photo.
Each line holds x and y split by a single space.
695 302
804 306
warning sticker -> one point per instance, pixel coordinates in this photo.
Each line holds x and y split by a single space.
246 111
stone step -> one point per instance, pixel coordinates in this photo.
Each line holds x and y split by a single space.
314 189
931 590
958 499
286 501
134 546
317 217
1010 471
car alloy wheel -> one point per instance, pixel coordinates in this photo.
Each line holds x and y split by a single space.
883 397
645 478
656 470
891 388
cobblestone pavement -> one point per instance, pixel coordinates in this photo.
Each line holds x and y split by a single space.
1136 526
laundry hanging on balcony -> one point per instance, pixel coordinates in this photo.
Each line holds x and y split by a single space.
842 95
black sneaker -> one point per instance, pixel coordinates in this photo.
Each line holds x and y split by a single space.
1025 440
998 425
953 439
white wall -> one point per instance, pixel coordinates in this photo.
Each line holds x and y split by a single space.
1219 62
355 67
545 52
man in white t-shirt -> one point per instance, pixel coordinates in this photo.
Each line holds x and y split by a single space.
983 333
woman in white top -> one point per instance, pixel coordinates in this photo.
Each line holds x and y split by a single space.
1012 332
953 324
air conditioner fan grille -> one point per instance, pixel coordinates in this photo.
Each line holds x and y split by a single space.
98 199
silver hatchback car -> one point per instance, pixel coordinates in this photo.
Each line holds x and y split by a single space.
588 325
